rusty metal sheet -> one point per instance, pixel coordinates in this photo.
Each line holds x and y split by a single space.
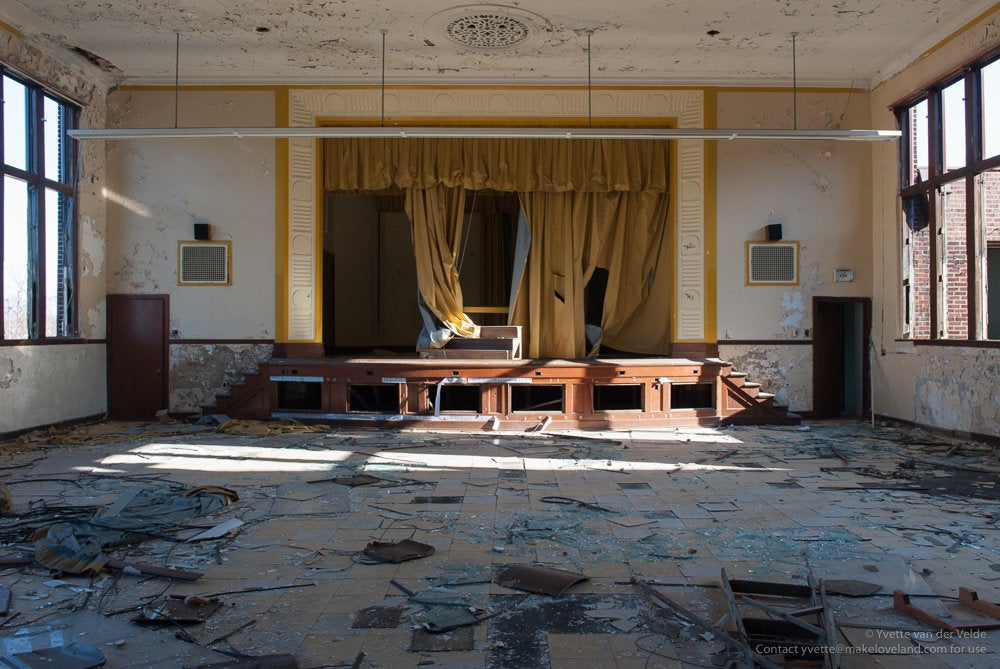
543 580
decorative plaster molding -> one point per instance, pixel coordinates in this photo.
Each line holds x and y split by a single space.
311 107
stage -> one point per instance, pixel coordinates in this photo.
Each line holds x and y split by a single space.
592 393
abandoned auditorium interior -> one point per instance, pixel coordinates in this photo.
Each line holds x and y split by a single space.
553 334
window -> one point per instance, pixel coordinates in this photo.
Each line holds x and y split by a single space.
949 193
38 188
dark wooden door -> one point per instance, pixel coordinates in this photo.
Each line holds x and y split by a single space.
841 366
828 358
137 356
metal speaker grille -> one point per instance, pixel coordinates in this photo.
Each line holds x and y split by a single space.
204 264
773 263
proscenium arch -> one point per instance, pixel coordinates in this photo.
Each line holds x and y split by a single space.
299 305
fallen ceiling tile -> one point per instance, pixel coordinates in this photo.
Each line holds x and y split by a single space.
543 580
378 617
407 549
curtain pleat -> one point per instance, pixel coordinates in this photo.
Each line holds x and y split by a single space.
571 235
436 214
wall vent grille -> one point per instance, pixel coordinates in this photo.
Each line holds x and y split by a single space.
772 263
204 264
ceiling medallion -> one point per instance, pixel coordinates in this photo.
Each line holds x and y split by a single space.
486 27
488 31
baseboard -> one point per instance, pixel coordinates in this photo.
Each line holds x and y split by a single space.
61 425
990 439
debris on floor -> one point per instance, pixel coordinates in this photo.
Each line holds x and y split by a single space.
235 544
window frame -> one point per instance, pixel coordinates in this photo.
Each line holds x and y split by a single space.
37 184
932 189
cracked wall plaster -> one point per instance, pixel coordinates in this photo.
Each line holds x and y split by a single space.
9 374
199 372
959 389
818 191
785 371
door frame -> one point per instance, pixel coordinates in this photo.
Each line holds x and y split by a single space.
112 299
866 337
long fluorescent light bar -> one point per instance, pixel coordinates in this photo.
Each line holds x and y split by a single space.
485 133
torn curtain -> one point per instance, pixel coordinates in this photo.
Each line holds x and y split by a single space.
588 204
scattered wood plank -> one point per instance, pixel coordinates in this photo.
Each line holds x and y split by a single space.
153 570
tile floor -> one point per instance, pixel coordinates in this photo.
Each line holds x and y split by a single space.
894 506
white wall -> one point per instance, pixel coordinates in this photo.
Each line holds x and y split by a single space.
820 194
157 190
818 191
41 385
955 388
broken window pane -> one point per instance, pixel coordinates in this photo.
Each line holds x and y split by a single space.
56 268
53 124
991 109
954 270
918 255
15 129
953 110
916 118
989 222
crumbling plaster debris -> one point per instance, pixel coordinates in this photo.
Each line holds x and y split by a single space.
198 372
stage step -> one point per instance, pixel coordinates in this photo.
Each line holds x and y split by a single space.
495 342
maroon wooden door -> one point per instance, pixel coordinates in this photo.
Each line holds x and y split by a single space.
137 356
828 358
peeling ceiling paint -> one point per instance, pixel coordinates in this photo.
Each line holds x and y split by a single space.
657 42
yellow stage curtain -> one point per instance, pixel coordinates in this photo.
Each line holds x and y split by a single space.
571 235
631 243
523 165
589 203
436 214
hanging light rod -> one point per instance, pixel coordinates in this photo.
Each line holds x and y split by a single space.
484 133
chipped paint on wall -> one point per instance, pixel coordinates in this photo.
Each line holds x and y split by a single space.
97 317
91 248
785 370
792 309
9 374
199 372
959 389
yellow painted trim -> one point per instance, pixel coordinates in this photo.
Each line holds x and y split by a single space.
798 278
9 28
281 220
672 301
318 260
709 165
961 31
